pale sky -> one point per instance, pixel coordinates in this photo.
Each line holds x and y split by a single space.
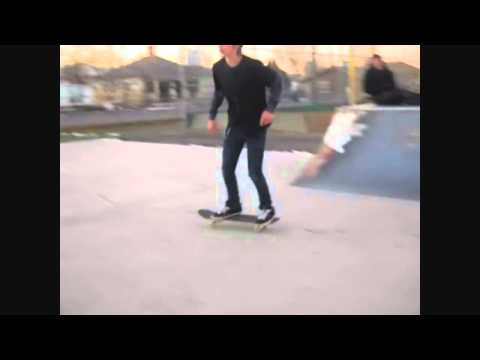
290 57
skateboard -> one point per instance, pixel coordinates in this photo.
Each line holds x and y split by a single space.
244 218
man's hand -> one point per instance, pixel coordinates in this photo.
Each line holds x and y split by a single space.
266 118
213 127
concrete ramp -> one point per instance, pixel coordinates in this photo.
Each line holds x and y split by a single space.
384 161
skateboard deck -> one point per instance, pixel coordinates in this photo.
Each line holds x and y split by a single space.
244 218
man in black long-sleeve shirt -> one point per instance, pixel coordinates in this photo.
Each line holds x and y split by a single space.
243 82
379 83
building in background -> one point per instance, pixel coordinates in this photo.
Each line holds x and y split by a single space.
199 82
80 73
160 80
77 86
326 86
76 95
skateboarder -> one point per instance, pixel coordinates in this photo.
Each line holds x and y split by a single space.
243 81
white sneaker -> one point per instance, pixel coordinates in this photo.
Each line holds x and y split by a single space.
264 216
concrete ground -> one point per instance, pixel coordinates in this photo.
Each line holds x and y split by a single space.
133 243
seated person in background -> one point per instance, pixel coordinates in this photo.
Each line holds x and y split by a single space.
379 83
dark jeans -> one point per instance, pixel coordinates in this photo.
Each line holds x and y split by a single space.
232 147
397 97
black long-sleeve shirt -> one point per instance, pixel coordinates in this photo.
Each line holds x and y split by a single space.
378 81
245 86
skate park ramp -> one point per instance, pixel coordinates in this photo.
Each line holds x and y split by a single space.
384 161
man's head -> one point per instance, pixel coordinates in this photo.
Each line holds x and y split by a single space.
377 62
229 50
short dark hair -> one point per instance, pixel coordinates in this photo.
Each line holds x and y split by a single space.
376 56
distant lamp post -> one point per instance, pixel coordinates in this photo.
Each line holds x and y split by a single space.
313 90
352 76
